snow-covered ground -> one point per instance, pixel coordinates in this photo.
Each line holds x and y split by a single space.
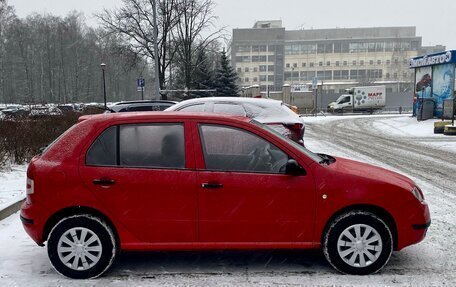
12 185
369 139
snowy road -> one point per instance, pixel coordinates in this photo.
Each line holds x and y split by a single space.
430 160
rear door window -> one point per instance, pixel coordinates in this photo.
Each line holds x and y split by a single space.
140 145
152 145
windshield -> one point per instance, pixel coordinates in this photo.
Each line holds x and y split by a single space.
304 150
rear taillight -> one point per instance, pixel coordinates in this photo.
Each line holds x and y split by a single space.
295 127
30 186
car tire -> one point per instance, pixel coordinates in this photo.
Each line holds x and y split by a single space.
82 247
358 243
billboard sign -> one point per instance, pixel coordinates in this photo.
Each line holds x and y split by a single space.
433 59
442 85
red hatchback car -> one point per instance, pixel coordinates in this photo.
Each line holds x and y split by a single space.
182 181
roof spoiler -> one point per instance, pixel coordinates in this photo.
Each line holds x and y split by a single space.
83 118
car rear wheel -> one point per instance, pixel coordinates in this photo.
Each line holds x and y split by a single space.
81 247
358 243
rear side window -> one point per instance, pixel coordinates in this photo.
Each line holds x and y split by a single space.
143 108
142 145
152 145
193 108
230 109
104 149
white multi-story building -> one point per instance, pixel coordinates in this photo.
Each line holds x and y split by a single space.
270 56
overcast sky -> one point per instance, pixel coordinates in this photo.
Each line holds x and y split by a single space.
435 20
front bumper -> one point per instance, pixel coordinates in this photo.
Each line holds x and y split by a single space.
414 226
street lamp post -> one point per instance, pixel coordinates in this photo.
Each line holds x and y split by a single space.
103 66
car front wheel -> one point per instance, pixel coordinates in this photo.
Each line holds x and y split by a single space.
358 243
81 247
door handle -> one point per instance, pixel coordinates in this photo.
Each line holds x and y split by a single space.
104 181
211 185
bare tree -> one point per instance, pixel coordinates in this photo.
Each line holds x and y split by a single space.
196 17
134 23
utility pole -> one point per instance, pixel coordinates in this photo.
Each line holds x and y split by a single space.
157 78
103 66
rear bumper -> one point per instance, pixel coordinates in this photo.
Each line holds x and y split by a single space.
32 222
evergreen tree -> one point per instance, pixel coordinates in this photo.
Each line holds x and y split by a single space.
203 74
226 78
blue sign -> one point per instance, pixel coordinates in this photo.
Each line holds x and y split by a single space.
140 83
433 59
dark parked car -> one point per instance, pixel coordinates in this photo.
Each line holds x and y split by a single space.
142 106
198 181
273 113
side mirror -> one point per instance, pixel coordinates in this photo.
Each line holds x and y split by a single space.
293 168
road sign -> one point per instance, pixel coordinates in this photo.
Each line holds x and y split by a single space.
314 83
140 89
140 83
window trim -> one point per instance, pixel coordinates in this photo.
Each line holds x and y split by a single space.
203 150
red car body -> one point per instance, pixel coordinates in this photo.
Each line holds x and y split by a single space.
170 209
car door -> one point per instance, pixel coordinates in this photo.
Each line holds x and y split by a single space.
143 173
244 193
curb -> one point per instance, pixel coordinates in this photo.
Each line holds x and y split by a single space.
11 209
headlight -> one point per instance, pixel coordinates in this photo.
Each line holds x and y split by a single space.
416 191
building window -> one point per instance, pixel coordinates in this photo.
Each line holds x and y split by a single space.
295 65
288 65
379 62
247 80
388 62
270 78
337 63
244 49
345 63
387 75
239 70
255 69
307 76
262 78
371 47
303 65
311 64
354 63
320 64
255 79
262 68
371 62
361 63
259 59
308 48
259 48
395 75
246 69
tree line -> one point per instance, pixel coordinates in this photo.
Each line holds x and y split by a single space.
47 58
